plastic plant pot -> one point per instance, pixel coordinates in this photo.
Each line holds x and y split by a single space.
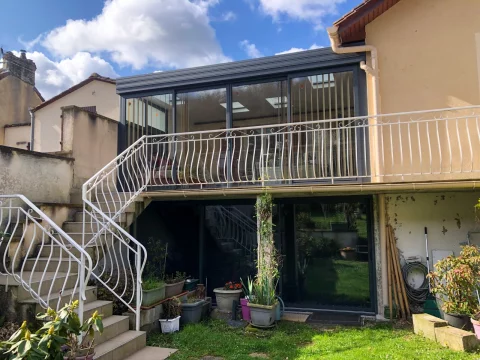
245 310
225 298
458 321
154 296
263 315
170 325
190 284
192 312
172 290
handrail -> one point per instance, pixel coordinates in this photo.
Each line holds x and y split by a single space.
106 196
26 229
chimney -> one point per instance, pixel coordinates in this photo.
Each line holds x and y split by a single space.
20 67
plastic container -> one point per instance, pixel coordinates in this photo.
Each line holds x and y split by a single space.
245 310
172 290
192 312
152 297
170 325
190 284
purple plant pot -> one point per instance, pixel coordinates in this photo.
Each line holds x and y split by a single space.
476 328
245 310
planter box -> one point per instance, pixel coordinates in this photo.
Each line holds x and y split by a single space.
172 290
152 297
190 284
192 312
170 325
262 315
207 308
225 298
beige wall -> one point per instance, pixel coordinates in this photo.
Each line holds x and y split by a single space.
48 122
40 177
429 54
18 136
16 97
91 140
428 58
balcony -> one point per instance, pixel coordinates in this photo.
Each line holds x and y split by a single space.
423 146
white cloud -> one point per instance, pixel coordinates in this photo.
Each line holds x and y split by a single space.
294 49
250 49
54 77
306 10
160 33
228 16
30 44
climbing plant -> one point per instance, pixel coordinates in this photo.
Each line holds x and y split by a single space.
267 258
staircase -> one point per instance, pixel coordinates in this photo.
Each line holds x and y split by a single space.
234 232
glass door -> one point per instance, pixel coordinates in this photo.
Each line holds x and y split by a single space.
327 254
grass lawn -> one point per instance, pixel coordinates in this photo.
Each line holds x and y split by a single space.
339 282
302 341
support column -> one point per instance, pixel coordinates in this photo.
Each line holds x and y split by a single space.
201 244
266 253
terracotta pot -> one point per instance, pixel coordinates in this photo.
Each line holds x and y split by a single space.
225 298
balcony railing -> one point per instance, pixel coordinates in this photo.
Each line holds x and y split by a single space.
415 146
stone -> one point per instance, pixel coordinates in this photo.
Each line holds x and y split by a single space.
425 325
259 355
456 339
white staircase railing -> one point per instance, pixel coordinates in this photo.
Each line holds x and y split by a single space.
107 196
232 225
40 256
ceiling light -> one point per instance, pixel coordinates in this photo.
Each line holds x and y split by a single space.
236 107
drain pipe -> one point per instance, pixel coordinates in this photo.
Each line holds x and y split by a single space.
373 72
32 127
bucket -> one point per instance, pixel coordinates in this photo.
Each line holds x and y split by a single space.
245 310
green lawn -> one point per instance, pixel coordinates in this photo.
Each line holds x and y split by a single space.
338 282
301 341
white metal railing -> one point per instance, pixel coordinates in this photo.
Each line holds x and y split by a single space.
420 145
229 224
40 256
107 196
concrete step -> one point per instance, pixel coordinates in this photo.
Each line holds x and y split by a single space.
66 297
79 217
56 250
122 346
77 237
227 245
115 196
152 353
51 280
64 265
113 207
112 326
104 308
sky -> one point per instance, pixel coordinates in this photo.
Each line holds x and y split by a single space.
71 39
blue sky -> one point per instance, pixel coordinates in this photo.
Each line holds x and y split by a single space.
69 40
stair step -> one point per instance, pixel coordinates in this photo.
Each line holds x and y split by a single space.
112 207
115 196
40 264
104 308
79 217
55 251
152 353
227 245
112 326
122 346
66 297
59 280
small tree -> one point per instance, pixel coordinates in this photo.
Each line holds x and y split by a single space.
456 281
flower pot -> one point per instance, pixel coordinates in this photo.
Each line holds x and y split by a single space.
458 321
154 296
206 307
192 312
172 290
262 315
349 255
190 284
225 298
476 327
170 325
245 310
81 355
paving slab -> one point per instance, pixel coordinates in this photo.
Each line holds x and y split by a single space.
152 353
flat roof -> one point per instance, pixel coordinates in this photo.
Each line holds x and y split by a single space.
236 71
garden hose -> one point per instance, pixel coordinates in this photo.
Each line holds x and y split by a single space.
416 295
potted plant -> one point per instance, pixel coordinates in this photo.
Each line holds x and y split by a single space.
57 339
455 282
227 295
170 320
174 284
192 310
248 290
348 253
263 300
153 291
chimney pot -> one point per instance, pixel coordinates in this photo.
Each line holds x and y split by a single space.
23 54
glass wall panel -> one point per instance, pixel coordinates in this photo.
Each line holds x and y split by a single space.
328 148
255 105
